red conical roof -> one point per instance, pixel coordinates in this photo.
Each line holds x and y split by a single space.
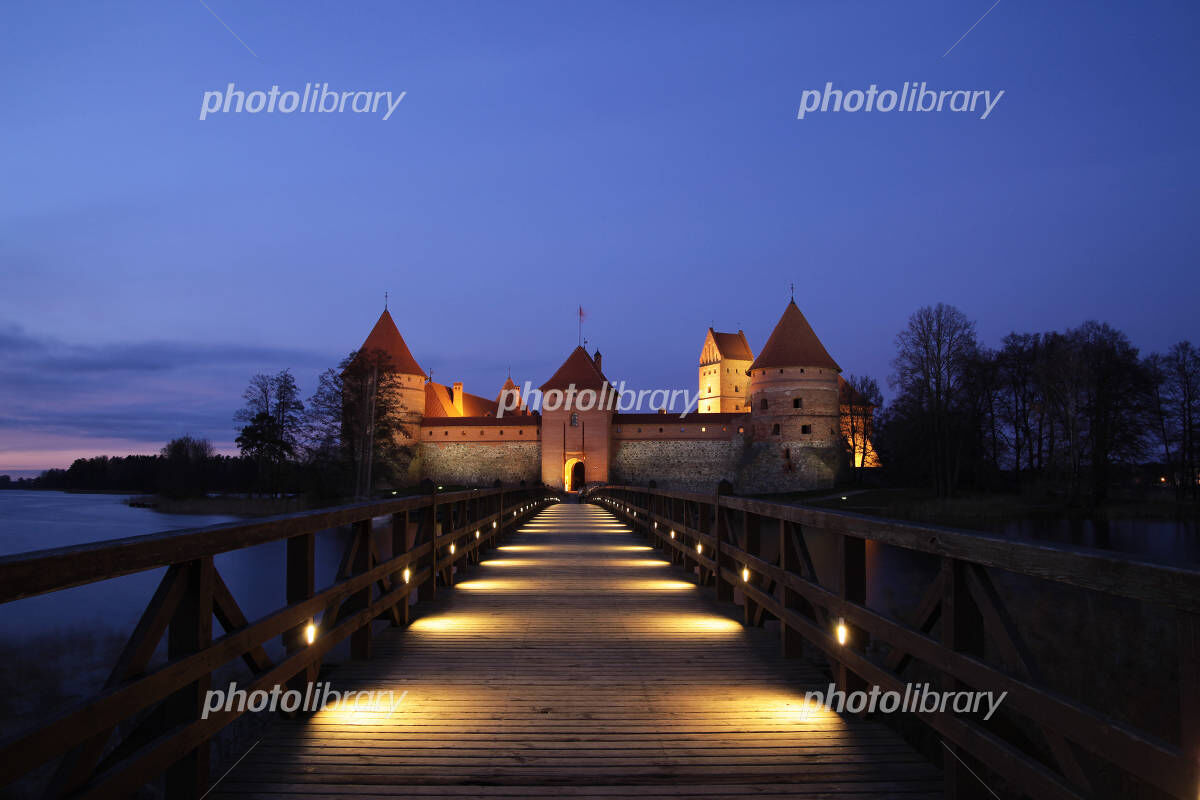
794 344
384 336
579 370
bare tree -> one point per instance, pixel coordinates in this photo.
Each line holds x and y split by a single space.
933 353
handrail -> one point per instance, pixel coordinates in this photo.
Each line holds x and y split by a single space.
424 529
719 536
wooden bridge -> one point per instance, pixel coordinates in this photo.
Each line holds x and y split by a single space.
647 643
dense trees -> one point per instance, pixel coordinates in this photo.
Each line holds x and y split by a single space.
1058 411
272 422
355 426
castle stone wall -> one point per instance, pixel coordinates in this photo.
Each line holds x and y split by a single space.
752 467
478 464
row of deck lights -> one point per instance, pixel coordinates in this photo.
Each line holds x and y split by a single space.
841 630
310 630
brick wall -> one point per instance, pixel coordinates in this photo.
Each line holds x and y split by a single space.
480 464
752 467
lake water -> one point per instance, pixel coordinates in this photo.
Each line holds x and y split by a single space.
39 520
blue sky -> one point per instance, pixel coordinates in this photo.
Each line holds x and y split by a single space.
641 159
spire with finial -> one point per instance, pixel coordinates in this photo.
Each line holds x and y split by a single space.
385 299
792 291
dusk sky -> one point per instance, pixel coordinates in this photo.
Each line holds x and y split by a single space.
643 160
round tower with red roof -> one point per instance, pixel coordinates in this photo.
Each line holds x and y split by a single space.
386 338
794 386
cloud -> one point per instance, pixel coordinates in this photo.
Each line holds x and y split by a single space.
134 392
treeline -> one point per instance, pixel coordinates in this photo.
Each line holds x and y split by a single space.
186 467
350 437
1072 413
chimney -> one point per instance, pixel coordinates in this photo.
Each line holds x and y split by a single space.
457 398
596 359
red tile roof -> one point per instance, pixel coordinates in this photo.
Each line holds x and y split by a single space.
514 421
694 418
439 402
384 336
579 370
794 344
733 345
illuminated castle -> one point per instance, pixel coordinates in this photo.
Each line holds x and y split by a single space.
772 423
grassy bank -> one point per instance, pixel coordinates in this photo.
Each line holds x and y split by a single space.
980 510
235 505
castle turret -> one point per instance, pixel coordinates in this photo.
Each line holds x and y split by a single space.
724 386
386 338
794 386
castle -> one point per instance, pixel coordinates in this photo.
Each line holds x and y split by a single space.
772 423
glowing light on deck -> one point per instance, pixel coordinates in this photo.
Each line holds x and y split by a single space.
310 633
657 586
407 574
745 574
843 632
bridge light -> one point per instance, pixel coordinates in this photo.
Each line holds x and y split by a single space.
476 534
699 547
745 574
310 633
843 632
407 574
672 534
493 523
451 548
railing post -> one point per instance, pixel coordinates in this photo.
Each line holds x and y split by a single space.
400 547
724 587
1188 625
428 589
852 587
360 640
751 615
791 641
190 631
300 579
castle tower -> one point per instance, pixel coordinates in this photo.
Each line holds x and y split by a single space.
794 395
724 385
386 338
575 440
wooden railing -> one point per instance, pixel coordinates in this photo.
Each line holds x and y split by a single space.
763 552
159 707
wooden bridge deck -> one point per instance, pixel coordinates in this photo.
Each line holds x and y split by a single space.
575 662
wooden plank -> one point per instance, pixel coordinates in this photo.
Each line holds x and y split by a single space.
569 662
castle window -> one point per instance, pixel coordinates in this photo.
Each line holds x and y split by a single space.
737 388
763 404
703 429
639 430
431 433
574 420
521 433
660 430
618 429
681 429
802 370
806 428
741 429
445 433
775 429
797 402
781 372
